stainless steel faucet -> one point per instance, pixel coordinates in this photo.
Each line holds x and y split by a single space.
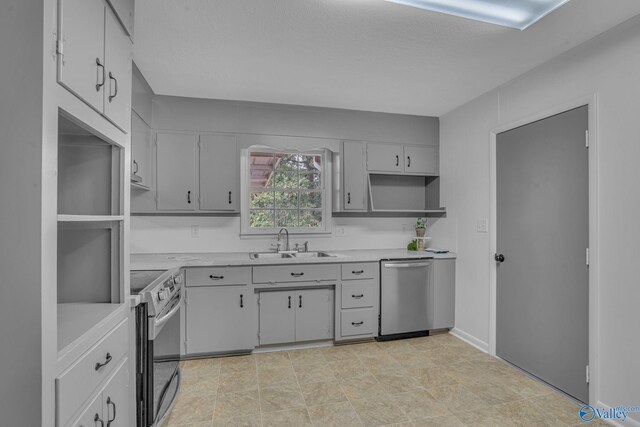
286 247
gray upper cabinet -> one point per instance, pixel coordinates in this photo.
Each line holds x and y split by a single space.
354 174
218 173
81 49
117 57
220 319
421 160
385 157
140 152
94 58
124 9
176 171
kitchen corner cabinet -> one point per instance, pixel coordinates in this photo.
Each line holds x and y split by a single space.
140 152
176 181
295 315
219 319
94 58
402 159
218 173
354 177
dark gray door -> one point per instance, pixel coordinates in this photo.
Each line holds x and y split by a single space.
543 232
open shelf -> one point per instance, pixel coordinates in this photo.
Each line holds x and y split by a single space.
89 218
404 193
76 319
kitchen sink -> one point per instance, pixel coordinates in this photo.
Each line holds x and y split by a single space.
268 255
312 255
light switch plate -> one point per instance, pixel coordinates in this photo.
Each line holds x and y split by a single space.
483 226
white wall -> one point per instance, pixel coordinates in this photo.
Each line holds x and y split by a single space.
608 65
312 128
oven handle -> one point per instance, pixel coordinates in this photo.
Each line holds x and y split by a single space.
408 265
164 319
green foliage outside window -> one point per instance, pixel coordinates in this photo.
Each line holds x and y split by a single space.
286 190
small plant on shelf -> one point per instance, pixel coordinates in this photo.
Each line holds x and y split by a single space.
421 229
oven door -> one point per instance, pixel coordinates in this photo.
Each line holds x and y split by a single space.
164 342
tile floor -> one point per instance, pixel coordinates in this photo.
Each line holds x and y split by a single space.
430 381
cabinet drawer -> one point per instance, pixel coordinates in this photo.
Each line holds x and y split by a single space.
364 270
359 294
218 276
361 321
295 273
78 382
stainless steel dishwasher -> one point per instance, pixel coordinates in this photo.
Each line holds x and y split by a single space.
404 297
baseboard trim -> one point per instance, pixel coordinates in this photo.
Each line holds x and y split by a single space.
629 422
470 339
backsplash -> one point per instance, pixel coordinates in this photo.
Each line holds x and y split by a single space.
161 234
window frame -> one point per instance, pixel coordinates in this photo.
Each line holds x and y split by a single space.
246 190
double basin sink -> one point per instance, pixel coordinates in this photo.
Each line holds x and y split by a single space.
277 255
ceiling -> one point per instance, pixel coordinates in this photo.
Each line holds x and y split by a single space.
356 54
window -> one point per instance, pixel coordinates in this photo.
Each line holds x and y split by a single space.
285 189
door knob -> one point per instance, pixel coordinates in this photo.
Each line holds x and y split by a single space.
499 257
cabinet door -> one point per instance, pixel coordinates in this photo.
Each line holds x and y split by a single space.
81 62
140 150
117 57
277 317
421 160
92 415
220 319
314 314
218 173
354 195
384 157
176 172
124 10
115 398
442 291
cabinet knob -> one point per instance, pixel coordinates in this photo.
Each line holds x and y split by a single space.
499 257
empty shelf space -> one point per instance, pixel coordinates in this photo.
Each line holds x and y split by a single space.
76 319
90 218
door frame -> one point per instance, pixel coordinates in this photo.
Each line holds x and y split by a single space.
591 101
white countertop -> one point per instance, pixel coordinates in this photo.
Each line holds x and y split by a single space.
221 259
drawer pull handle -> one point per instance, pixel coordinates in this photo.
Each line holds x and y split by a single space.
297 274
111 402
357 296
107 359
98 84
357 324
212 277
97 418
289 301
356 272
111 77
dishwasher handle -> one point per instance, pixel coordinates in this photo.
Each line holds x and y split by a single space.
407 265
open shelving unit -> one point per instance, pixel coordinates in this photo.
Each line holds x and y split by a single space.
404 193
90 271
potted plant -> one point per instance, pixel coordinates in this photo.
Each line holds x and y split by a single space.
420 232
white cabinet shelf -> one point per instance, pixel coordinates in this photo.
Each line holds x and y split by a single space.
90 218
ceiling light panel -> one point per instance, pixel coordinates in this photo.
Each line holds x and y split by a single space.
508 13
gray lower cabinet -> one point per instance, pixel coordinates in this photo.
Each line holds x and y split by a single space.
295 315
358 301
442 293
219 319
